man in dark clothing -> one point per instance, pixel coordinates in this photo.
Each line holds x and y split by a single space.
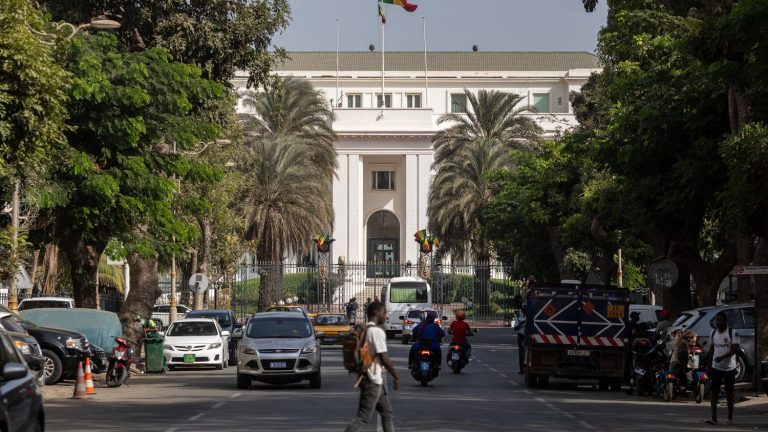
352 310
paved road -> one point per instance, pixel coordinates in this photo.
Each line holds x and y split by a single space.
488 396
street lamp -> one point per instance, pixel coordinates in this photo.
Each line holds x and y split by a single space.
100 22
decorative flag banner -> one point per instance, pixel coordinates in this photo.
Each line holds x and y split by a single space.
410 7
381 14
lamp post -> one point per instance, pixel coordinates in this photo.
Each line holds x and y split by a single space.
323 244
13 295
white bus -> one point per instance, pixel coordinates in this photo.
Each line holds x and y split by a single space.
400 295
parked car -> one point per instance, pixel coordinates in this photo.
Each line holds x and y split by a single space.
99 327
650 314
25 343
196 342
741 318
333 326
227 322
278 348
21 400
46 302
161 314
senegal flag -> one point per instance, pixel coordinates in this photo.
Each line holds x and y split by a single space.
410 7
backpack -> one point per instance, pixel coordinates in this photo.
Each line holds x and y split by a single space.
356 352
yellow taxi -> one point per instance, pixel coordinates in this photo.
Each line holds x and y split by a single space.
333 326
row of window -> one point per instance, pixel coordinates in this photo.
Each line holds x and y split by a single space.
458 101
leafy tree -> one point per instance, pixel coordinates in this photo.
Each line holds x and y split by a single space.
221 37
113 179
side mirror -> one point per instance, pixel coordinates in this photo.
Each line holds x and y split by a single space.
14 371
224 333
238 333
402 317
319 335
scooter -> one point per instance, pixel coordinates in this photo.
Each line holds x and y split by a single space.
119 369
689 375
647 361
424 369
458 355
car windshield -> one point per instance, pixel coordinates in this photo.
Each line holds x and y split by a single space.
223 318
38 304
194 328
682 319
332 320
408 292
9 324
279 328
414 315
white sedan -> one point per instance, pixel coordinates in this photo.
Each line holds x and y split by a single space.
196 342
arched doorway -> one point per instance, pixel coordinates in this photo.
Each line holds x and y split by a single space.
383 244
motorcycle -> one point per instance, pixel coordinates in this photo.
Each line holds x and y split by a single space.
647 361
119 369
458 355
424 369
688 376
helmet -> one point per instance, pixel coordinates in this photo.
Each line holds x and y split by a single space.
666 314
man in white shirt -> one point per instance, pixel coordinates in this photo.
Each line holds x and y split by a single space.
723 346
373 388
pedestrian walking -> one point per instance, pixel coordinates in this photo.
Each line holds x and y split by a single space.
723 346
520 329
373 385
352 307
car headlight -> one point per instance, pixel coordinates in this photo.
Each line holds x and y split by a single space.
168 347
247 350
74 343
309 349
214 345
23 347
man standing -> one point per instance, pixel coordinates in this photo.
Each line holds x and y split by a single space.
373 388
352 310
723 346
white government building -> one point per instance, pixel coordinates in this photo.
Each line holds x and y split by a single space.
385 154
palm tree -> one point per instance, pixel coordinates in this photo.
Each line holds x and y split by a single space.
294 108
290 163
472 146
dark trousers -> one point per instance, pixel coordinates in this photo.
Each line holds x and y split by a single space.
520 350
373 396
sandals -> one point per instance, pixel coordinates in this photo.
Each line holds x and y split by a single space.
711 421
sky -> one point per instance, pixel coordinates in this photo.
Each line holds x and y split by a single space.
452 25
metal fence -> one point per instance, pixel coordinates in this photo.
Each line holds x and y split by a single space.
485 291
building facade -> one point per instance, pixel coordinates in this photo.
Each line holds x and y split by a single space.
385 152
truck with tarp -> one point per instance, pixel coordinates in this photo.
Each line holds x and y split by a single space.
576 331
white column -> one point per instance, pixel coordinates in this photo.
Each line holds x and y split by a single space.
355 216
340 209
411 206
425 177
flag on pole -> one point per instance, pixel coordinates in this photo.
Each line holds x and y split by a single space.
410 7
382 14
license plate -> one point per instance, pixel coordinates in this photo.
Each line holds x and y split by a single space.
455 356
578 353
425 366
189 358
329 339
278 365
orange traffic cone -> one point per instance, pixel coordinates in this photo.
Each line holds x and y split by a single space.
80 392
89 389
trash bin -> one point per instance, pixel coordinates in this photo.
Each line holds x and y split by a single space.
153 350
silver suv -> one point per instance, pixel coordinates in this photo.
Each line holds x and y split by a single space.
278 348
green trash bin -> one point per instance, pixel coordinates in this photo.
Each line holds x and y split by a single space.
153 350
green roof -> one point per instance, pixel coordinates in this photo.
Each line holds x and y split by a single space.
441 61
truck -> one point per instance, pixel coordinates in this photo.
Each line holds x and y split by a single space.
576 331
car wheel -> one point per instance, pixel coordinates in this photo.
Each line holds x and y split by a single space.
405 339
243 381
390 334
315 381
52 367
225 362
741 368
233 359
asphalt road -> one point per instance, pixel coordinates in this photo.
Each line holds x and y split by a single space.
488 396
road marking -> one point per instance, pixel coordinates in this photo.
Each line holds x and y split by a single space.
171 430
565 414
234 395
503 375
218 405
196 417
492 369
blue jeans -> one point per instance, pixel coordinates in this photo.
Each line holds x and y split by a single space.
373 396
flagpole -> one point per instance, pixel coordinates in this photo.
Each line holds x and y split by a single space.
426 79
383 99
336 99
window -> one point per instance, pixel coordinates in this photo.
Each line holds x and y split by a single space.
279 328
193 328
383 180
413 101
749 317
734 317
354 101
408 292
541 102
458 103
387 100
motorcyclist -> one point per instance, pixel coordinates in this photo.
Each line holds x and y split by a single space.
428 335
459 331
663 327
678 361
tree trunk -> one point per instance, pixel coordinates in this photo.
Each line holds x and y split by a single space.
50 269
678 298
743 257
145 290
186 295
708 276
201 300
83 258
761 300
605 264
33 270
558 251
271 279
